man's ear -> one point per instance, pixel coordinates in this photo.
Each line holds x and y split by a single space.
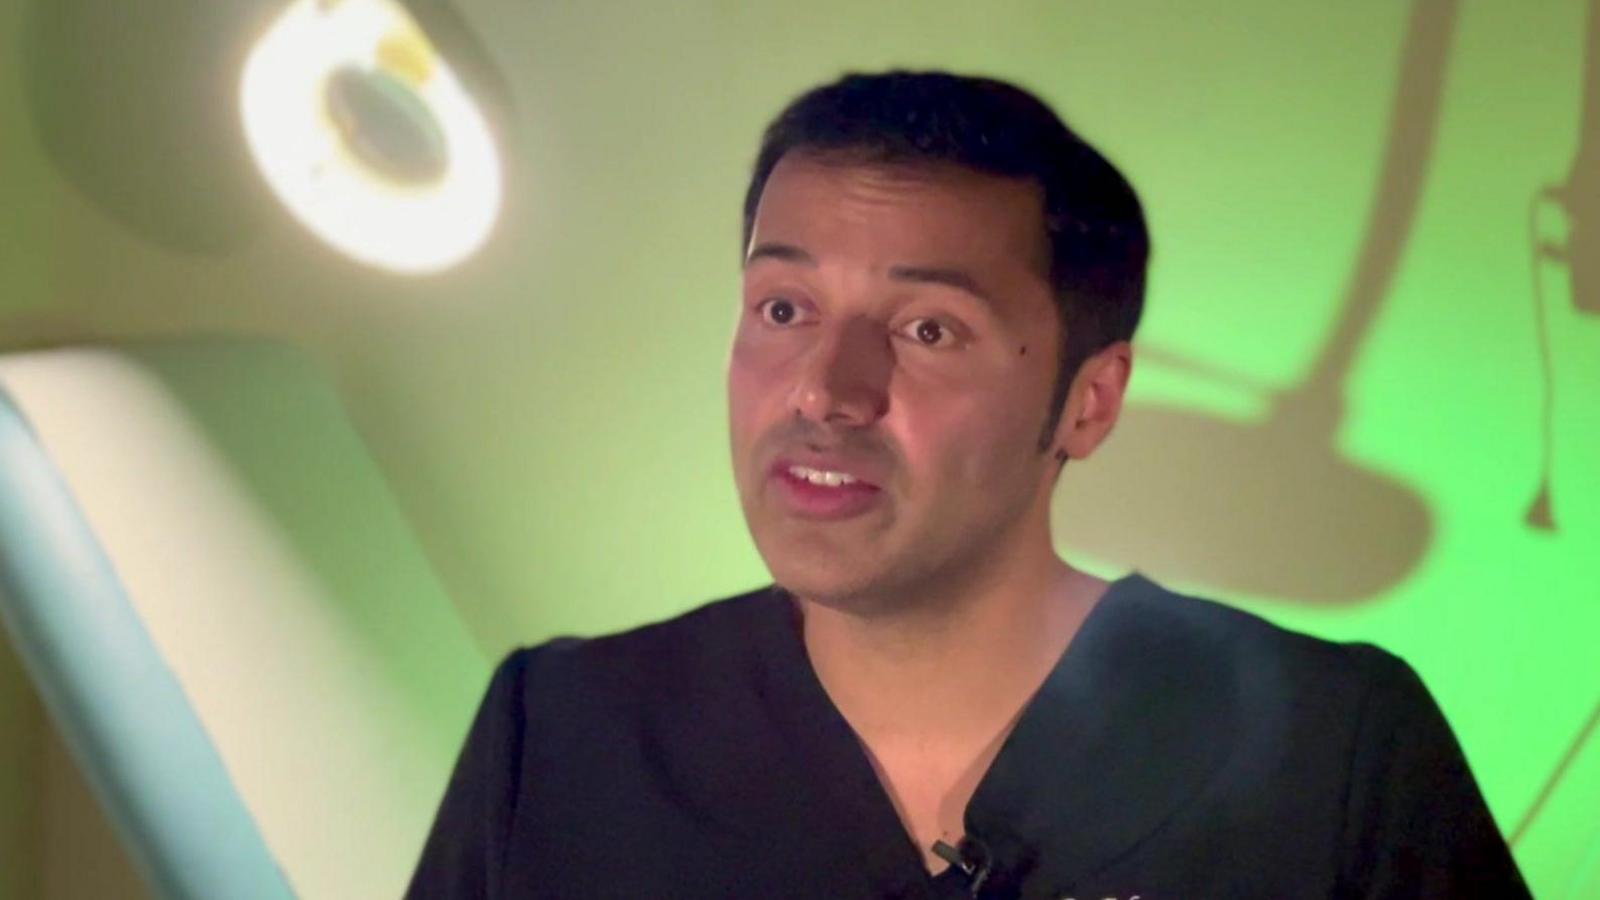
1094 402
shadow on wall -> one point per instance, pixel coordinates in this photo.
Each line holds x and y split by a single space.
1272 509
136 104
1579 200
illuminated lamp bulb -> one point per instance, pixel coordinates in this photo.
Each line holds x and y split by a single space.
363 131
386 127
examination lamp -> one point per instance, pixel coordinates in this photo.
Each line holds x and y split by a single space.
365 132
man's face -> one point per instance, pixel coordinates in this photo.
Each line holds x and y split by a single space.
892 368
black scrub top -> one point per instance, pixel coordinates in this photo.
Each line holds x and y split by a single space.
1179 749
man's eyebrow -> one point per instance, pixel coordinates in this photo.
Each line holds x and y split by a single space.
784 252
955 278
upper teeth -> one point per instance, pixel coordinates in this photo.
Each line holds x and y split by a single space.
821 476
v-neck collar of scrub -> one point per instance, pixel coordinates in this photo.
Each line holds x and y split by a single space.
1122 730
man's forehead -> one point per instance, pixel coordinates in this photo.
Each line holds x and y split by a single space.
929 207
855 172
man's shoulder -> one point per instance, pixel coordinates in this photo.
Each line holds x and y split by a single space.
1237 702
711 644
1201 619
710 630
1211 643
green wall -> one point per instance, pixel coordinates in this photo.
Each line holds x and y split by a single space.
1342 347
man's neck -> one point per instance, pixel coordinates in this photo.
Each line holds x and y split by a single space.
949 670
933 690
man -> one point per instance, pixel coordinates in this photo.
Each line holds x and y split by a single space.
940 285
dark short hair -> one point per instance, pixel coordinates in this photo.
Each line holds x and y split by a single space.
1099 247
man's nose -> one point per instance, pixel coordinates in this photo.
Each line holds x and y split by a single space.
845 379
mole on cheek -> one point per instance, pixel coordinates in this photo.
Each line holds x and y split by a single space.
1023 350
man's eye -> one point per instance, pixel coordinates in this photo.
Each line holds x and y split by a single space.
778 311
930 333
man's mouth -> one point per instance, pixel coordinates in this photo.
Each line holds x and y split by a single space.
816 490
822 476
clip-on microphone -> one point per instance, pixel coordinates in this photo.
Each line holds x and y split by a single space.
971 858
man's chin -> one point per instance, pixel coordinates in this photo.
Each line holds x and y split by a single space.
831 588
836 571
859 593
